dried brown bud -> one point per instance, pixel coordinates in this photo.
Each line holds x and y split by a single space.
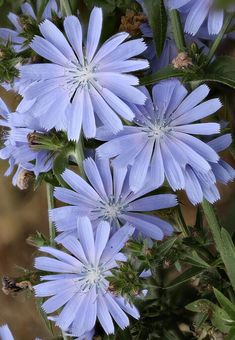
32 138
2 53
24 179
182 61
11 287
131 22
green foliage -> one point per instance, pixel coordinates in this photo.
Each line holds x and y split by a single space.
158 22
111 5
8 64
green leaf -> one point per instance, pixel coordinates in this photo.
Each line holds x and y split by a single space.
231 334
196 260
165 73
158 21
228 306
227 253
164 248
59 165
186 276
222 70
39 302
217 315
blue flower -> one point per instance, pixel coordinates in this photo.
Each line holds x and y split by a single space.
83 84
5 333
19 43
109 197
197 12
79 285
199 185
161 144
16 146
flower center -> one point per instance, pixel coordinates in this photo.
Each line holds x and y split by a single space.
156 129
109 210
78 76
91 276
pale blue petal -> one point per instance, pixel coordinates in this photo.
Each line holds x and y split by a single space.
199 129
75 116
156 202
201 111
73 31
94 32
79 185
215 21
109 46
221 143
127 307
104 315
140 167
116 312
89 123
52 34
86 237
148 229
5 333
47 50
105 112
75 248
94 177
51 265
101 239
117 242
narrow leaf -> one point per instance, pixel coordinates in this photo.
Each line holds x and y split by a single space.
186 276
158 22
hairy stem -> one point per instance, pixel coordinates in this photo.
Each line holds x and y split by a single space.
51 205
65 7
79 155
177 30
212 222
219 38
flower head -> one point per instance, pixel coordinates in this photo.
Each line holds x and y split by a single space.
162 144
14 36
83 84
108 197
197 12
18 128
200 185
79 285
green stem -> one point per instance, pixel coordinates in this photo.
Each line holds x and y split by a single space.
79 155
212 222
181 223
219 38
65 7
51 205
177 30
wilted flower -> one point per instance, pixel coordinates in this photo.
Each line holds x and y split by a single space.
162 143
15 37
109 197
80 286
16 147
83 84
200 185
197 12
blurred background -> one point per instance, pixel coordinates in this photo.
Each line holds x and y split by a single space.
22 213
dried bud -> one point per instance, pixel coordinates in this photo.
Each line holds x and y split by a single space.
33 138
2 54
182 61
131 22
11 287
24 179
